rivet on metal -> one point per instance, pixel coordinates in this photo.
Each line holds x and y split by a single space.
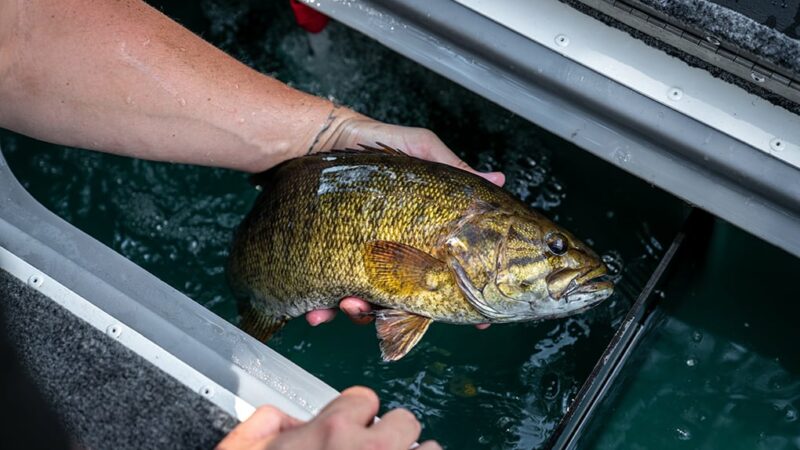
114 330
207 391
562 40
777 144
675 94
758 77
35 280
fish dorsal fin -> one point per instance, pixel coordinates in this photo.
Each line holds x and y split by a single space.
259 324
402 270
381 148
399 332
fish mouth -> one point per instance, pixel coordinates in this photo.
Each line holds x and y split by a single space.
591 287
582 292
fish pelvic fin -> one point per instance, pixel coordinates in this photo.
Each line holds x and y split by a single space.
259 324
402 270
399 332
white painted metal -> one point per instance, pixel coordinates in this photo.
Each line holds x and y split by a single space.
94 316
651 72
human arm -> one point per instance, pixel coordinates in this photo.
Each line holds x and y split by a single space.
121 77
346 423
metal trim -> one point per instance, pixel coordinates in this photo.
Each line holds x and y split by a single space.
178 326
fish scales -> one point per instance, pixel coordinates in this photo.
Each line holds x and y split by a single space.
316 214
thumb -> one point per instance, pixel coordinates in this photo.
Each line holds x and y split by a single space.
439 152
264 425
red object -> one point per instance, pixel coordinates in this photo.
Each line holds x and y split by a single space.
308 18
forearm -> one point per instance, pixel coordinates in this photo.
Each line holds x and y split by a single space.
124 78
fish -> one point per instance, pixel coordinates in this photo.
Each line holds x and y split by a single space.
422 241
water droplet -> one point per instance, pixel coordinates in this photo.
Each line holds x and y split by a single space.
129 100
691 362
613 262
551 386
747 324
697 336
240 120
683 434
791 414
181 101
622 156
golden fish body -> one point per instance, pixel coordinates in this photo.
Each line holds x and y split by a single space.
423 240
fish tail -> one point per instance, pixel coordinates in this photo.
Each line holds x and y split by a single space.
259 324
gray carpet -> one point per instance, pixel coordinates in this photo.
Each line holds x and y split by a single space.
783 15
735 28
106 395
727 24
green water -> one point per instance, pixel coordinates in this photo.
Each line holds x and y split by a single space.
505 387
722 368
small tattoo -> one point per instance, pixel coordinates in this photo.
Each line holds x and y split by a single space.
325 127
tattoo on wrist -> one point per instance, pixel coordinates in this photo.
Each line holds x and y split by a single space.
328 122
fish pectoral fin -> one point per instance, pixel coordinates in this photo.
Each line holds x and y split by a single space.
399 332
260 325
403 270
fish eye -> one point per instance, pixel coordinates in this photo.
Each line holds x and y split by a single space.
557 243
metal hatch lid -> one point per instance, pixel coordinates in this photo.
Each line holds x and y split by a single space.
736 178
179 336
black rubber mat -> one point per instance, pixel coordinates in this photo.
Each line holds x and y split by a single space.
105 395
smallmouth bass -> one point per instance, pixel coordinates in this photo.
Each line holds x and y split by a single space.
425 241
